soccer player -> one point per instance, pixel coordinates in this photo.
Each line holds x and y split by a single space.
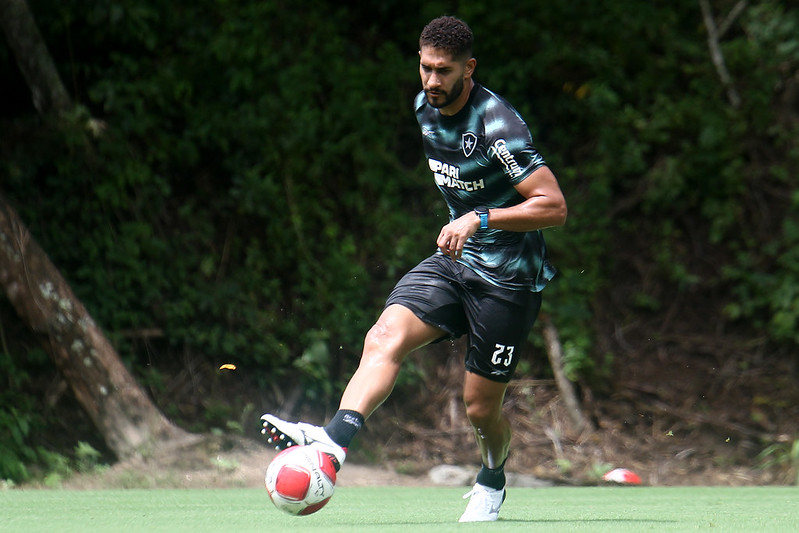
486 276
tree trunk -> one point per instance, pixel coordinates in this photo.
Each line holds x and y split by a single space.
35 62
127 419
129 422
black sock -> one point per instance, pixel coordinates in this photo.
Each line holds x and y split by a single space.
343 426
492 477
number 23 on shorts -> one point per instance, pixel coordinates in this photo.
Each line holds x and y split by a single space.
503 355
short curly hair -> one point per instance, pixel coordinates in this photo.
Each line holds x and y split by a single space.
450 34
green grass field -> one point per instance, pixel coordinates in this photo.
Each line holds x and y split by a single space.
600 509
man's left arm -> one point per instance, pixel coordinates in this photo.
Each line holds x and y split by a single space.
543 207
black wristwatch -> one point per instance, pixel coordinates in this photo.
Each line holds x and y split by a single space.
482 212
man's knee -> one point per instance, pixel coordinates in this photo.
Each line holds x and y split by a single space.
378 334
483 400
399 331
482 411
386 342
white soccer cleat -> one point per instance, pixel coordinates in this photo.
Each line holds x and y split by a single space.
484 504
282 435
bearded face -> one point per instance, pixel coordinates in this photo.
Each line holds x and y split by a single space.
444 79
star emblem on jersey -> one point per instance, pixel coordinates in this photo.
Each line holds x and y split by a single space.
469 142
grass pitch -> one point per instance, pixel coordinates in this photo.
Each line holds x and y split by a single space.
355 509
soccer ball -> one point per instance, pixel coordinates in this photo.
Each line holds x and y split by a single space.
300 480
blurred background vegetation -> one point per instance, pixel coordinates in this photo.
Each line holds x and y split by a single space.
252 186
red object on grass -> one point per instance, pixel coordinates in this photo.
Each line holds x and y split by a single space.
622 475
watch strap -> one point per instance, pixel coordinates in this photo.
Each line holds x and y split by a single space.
482 212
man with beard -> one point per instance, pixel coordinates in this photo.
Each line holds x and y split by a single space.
486 276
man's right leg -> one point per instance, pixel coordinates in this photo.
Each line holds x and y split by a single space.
396 333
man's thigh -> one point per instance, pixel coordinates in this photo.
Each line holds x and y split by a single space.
499 325
433 292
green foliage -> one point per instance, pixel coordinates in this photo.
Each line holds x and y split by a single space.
19 461
781 455
14 452
18 414
87 458
204 209
56 468
250 183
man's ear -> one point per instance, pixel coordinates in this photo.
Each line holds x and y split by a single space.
470 66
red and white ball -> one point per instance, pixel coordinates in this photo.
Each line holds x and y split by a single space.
300 480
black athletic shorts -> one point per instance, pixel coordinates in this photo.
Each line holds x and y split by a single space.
452 297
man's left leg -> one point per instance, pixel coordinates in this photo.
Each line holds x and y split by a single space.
484 399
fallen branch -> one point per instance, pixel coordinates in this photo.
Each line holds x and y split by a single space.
565 387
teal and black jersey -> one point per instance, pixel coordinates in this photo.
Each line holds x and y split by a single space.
477 156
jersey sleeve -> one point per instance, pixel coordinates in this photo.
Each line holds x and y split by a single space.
511 144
